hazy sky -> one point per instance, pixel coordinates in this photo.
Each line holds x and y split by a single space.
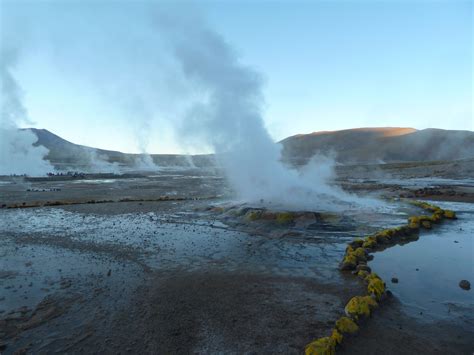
98 72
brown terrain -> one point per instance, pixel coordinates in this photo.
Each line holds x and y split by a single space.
380 145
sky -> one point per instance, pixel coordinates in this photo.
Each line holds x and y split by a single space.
99 73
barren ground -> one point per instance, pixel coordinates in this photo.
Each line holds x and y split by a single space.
181 276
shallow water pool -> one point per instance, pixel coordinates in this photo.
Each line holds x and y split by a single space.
430 269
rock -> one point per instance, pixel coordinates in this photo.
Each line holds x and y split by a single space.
369 243
321 346
394 280
285 217
356 243
336 336
426 224
362 274
346 325
363 267
360 306
449 214
376 286
349 262
253 215
465 285
360 254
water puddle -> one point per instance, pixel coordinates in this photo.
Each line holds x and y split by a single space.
430 269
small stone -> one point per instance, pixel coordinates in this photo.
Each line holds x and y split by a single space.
465 285
394 280
109 272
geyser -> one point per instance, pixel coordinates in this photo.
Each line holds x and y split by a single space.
228 116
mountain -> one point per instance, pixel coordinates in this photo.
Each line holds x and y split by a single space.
65 153
377 145
360 145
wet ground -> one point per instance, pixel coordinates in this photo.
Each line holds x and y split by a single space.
189 276
429 312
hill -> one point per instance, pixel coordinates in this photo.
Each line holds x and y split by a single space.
351 146
65 153
377 145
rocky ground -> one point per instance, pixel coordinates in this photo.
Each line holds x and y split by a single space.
192 272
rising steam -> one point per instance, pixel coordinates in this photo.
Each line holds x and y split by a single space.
18 155
228 116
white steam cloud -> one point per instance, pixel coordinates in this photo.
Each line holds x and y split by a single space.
225 111
18 155
229 117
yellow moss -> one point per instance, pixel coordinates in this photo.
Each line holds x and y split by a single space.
253 215
336 336
362 274
426 224
376 287
321 346
369 243
285 217
357 242
346 325
331 218
267 215
359 253
449 214
426 206
384 236
349 249
436 217
372 276
349 262
360 306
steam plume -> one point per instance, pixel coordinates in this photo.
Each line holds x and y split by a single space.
18 155
229 117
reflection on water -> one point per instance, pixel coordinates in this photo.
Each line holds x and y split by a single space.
429 270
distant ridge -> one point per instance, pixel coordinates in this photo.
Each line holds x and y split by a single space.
380 144
359 145
65 153
385 131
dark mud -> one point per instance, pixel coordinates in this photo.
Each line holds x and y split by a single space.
392 331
